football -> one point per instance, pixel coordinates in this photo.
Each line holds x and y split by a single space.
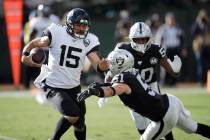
38 55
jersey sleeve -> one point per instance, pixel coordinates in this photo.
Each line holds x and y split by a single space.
47 32
50 31
161 52
92 42
120 45
96 48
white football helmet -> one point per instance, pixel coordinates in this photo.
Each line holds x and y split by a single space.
140 30
119 61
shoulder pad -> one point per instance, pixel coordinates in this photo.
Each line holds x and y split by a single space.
133 71
121 44
92 39
155 45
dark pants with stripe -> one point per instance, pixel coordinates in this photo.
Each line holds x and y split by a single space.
64 100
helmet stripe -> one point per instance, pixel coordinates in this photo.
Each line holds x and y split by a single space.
140 28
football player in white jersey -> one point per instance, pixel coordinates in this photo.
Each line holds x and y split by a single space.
68 47
165 111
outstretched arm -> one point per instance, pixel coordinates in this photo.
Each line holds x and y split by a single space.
105 91
107 79
101 65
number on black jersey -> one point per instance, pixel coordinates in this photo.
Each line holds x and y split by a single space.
145 86
118 79
162 52
147 74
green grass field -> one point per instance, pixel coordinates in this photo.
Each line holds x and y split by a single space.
22 118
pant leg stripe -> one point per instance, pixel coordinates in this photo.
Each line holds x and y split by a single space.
159 131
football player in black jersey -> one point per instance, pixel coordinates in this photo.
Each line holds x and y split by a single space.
165 111
147 57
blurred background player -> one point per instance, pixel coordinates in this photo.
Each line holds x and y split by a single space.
39 20
171 37
122 26
201 45
154 22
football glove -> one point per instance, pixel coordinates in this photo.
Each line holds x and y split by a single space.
89 92
176 64
94 85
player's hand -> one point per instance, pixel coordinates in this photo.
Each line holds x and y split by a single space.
28 61
104 65
83 95
176 64
177 61
101 102
87 93
94 85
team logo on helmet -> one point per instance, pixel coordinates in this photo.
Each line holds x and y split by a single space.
86 42
120 61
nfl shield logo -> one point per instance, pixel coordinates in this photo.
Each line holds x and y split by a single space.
153 60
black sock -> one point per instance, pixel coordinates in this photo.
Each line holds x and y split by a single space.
203 130
80 134
141 131
169 136
62 126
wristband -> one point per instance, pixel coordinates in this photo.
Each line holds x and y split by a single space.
101 92
114 91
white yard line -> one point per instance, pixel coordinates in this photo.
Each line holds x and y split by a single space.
7 138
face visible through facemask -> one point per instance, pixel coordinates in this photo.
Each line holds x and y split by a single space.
142 40
140 44
80 29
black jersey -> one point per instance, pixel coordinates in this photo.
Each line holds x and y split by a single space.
146 63
142 99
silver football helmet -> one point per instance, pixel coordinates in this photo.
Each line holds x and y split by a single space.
119 61
140 31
